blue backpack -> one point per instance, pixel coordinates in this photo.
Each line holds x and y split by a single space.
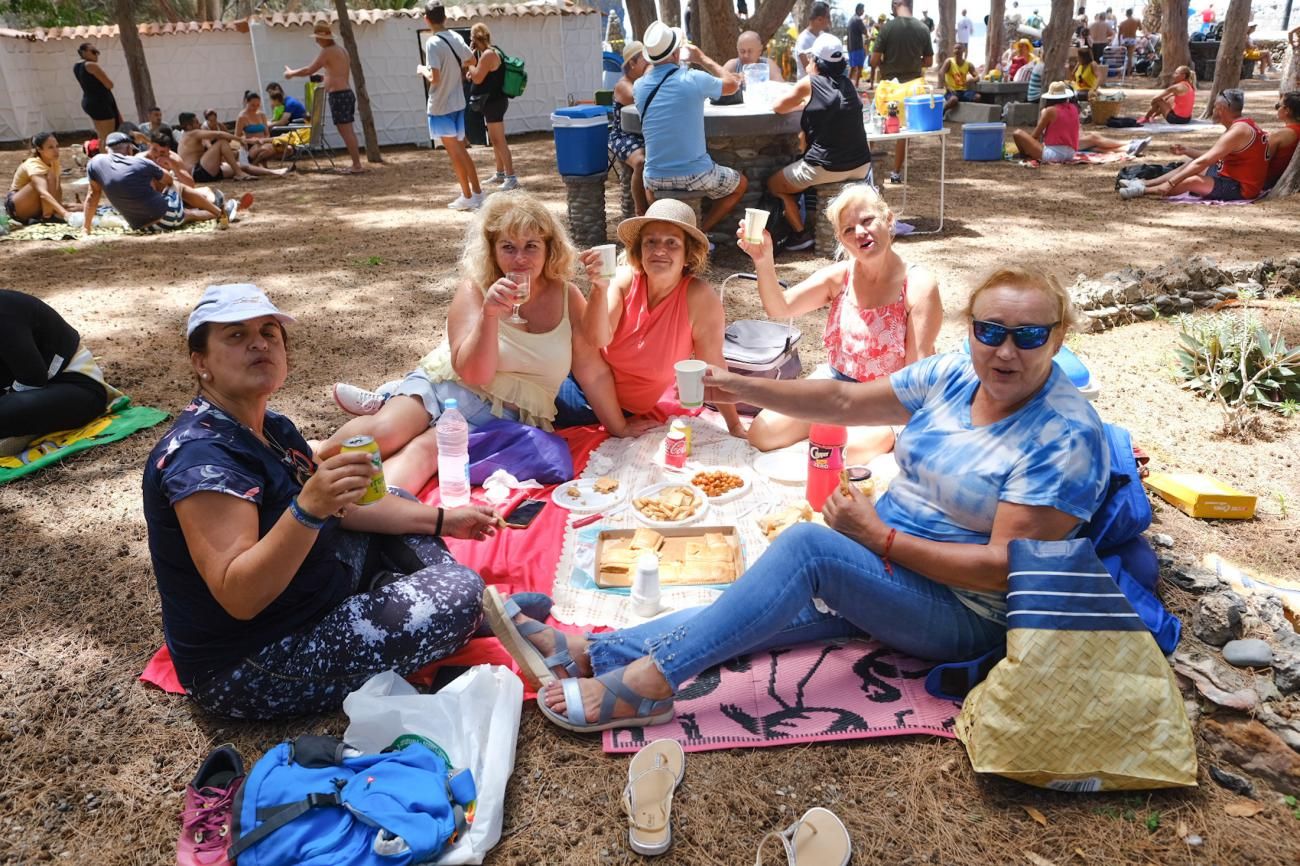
314 801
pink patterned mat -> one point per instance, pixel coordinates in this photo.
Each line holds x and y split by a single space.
804 694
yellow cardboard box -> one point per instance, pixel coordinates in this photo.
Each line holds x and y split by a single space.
1202 496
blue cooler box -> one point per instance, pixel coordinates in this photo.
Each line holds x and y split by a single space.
925 112
982 142
581 139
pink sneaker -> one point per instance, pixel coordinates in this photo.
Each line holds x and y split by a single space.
207 810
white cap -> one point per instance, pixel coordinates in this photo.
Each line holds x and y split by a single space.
661 41
828 48
233 302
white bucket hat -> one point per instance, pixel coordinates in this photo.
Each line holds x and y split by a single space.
233 302
661 41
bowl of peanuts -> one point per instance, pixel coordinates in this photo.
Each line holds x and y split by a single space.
721 484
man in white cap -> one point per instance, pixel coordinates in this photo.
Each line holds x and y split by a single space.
670 100
336 64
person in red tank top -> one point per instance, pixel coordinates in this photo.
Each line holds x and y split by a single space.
1057 136
1176 102
1282 143
1233 169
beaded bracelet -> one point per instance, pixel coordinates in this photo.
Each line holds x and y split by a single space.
308 520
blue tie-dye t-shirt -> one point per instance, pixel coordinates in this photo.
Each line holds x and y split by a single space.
952 474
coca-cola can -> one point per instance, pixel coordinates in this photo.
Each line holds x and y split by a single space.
675 449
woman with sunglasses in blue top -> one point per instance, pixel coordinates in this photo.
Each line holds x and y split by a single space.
997 445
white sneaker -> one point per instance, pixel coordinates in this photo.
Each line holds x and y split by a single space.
1138 145
510 182
462 202
476 200
357 401
499 177
1132 189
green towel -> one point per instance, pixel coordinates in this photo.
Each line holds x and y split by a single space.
122 420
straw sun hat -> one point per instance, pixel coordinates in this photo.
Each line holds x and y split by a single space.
322 30
664 210
1058 91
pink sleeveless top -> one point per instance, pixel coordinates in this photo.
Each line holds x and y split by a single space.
1063 131
866 344
647 343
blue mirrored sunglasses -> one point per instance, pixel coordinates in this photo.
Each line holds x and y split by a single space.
1025 337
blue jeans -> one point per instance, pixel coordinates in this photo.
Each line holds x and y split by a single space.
771 605
572 408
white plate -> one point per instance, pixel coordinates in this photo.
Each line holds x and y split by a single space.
588 500
787 466
730 494
654 489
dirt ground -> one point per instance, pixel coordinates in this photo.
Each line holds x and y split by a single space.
95 762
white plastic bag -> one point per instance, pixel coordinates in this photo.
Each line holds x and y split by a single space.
475 719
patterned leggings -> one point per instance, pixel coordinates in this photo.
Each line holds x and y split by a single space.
411 604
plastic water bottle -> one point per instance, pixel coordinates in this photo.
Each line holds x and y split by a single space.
452 433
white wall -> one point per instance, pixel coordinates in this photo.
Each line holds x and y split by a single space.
195 71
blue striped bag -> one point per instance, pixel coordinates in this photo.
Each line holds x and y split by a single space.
1084 700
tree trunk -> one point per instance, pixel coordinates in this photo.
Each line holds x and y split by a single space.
946 31
1289 183
640 14
1291 64
719 27
802 12
1153 18
1056 41
769 17
670 12
136 64
359 83
1227 66
997 30
1173 41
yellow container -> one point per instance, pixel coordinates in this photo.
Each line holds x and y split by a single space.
1202 496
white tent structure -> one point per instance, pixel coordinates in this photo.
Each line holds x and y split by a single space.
196 66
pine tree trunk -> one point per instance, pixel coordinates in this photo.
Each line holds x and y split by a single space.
640 14
719 27
996 44
359 83
1173 41
670 12
136 64
946 31
1227 66
768 18
1056 42
1289 183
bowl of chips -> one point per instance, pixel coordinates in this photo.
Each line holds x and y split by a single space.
721 484
669 504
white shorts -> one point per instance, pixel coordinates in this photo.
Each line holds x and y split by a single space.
1057 153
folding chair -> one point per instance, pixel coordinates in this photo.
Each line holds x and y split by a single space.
313 143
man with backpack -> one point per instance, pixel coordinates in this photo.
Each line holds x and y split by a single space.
446 57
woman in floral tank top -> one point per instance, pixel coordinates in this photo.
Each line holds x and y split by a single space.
884 314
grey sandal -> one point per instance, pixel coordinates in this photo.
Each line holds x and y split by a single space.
648 710
535 668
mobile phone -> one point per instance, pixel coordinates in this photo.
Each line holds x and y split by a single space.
525 513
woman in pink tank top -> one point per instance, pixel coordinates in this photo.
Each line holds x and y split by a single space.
1057 136
884 314
652 314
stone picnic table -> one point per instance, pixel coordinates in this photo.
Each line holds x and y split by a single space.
1002 92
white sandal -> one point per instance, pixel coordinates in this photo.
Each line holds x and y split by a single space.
652 778
819 838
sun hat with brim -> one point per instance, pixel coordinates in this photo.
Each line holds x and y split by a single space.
322 30
233 302
1057 91
664 210
827 48
632 50
660 41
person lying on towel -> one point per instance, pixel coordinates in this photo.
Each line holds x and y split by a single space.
997 445
49 381
279 595
1057 137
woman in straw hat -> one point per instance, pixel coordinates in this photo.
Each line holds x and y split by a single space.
1057 137
629 147
657 310
997 445
884 313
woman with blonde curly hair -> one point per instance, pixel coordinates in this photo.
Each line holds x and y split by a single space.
655 311
491 367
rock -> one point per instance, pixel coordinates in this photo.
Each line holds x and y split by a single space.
1129 291
1160 539
1215 680
1218 617
1195 579
1286 672
1249 745
1272 613
1164 303
1143 311
1252 653
1234 783
1184 305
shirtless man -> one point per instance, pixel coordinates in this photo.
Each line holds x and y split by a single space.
208 155
749 49
334 61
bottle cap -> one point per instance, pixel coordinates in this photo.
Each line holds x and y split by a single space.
648 562
449 403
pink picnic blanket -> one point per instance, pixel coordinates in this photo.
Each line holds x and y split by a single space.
1082 157
810 693
1188 198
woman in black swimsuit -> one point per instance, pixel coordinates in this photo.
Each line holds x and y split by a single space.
96 91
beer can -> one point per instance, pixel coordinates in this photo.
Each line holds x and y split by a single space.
675 449
680 425
376 490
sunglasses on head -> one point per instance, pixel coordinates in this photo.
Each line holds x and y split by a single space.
1025 336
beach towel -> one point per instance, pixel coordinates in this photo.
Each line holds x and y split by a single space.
59 231
1082 157
1162 128
843 690
1188 198
120 421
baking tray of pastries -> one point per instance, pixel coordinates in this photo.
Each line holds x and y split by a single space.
688 556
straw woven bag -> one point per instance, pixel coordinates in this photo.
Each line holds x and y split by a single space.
1084 700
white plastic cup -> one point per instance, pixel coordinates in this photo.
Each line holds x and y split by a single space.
756 73
755 222
608 260
645 586
690 383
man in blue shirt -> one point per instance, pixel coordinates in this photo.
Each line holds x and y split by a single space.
670 100
291 110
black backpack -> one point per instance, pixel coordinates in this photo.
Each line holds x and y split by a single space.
1144 171
777 226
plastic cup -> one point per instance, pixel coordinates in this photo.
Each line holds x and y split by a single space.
690 383
756 74
608 260
755 222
